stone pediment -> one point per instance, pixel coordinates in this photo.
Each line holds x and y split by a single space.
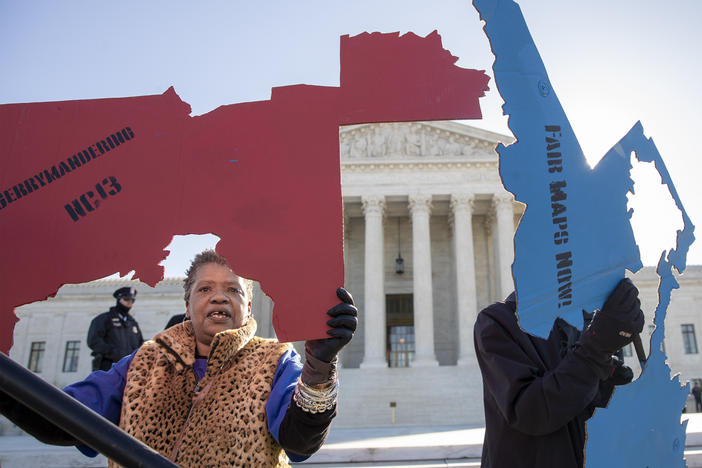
418 140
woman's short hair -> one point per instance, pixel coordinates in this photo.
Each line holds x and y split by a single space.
203 258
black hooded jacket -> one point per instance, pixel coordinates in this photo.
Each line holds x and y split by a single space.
537 392
111 337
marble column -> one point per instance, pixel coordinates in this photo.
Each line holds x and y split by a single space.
420 207
374 285
491 255
504 214
346 229
466 294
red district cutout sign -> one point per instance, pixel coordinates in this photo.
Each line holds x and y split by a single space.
91 187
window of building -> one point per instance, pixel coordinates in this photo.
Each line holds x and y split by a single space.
400 329
689 340
70 357
626 351
36 356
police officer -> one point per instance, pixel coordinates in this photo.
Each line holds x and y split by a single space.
114 334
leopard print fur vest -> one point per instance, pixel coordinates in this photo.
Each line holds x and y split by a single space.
220 421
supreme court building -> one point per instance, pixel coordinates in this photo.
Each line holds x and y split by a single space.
428 240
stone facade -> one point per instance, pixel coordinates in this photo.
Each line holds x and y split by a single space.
430 194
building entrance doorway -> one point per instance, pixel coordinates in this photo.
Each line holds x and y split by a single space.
400 329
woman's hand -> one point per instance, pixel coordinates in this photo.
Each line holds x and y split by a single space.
343 324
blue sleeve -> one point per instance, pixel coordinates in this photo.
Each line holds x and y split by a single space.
284 381
102 392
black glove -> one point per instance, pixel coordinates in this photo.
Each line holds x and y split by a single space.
621 374
615 325
618 374
343 325
321 354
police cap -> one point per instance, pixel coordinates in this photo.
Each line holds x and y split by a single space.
125 292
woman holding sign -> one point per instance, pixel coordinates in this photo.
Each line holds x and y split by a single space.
207 392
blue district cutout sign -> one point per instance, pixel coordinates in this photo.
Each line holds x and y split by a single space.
575 241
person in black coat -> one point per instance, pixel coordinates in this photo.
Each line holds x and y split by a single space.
538 392
114 334
175 320
697 393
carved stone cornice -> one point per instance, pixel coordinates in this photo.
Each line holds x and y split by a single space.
109 282
488 167
410 139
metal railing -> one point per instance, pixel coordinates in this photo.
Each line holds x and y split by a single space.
76 419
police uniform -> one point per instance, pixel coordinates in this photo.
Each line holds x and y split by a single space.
114 334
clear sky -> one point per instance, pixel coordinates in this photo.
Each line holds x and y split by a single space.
610 62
